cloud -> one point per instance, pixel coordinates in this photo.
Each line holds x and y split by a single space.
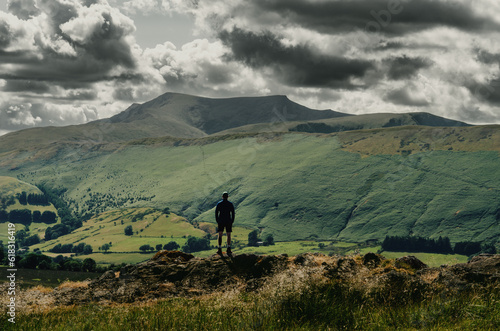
404 67
295 65
15 116
67 43
23 9
396 17
408 96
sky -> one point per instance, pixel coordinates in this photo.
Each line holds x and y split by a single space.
66 62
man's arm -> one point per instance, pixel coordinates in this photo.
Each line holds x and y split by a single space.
232 213
217 213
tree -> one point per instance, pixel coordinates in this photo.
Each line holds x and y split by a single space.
269 240
56 249
171 246
195 244
32 260
105 247
89 265
78 248
129 230
4 216
23 200
145 248
48 217
158 247
37 216
253 238
31 240
22 216
87 250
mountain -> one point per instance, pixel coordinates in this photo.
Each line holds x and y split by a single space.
187 116
171 114
181 115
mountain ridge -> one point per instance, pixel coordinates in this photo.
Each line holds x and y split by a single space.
188 116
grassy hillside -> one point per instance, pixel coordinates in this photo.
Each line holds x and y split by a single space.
422 181
350 123
10 187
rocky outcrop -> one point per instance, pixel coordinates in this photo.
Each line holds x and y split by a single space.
173 273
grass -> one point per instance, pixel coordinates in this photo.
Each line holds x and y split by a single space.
150 227
432 260
296 301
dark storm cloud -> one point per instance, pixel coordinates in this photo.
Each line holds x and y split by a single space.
23 9
405 67
488 91
486 57
5 35
73 52
396 17
25 86
398 45
293 65
404 98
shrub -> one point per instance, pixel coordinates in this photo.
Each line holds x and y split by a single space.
129 230
171 246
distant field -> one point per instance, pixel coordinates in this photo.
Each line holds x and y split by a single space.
149 227
432 260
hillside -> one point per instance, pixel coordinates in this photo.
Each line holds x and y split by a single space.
10 188
349 186
351 123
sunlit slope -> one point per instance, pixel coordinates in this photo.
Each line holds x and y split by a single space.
426 181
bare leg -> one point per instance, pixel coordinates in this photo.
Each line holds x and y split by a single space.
220 238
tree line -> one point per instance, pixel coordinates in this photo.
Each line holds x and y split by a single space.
81 248
441 245
32 199
26 217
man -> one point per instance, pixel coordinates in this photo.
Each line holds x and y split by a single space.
224 215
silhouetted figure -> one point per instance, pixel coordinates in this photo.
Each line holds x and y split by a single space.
224 215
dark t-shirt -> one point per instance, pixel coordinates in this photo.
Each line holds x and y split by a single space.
224 212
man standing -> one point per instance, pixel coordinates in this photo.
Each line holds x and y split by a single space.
224 215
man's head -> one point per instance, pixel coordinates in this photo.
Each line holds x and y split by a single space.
225 195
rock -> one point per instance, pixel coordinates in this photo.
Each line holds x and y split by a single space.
410 261
174 273
372 260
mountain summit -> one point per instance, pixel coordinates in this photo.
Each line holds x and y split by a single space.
188 116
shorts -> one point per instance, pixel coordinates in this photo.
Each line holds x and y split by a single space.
223 225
